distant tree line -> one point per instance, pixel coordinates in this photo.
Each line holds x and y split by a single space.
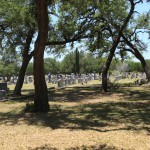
88 63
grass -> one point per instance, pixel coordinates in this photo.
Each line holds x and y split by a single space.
80 118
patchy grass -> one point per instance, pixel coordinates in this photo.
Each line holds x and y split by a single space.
27 88
80 118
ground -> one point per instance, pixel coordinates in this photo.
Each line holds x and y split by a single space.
80 118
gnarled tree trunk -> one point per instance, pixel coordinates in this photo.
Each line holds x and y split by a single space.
19 84
107 65
114 46
26 59
41 93
139 56
146 68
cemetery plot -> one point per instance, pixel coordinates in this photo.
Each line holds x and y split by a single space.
68 80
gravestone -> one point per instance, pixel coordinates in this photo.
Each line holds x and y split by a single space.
60 83
133 75
72 76
9 83
2 94
25 79
3 86
3 90
66 81
117 78
30 79
79 80
69 81
73 81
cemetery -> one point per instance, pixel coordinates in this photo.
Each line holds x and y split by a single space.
82 106
74 75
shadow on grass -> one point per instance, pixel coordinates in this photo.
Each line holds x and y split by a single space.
139 95
102 117
28 91
94 147
74 94
134 116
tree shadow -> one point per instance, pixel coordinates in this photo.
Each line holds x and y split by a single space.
74 94
77 94
28 91
138 95
94 147
133 112
101 117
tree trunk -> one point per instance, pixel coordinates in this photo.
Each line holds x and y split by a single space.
77 62
41 93
139 56
26 59
114 46
144 64
19 84
107 65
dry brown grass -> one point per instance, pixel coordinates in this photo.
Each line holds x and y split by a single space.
80 117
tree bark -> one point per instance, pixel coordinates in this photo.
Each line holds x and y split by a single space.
114 46
77 62
107 65
26 59
144 64
41 93
19 84
139 56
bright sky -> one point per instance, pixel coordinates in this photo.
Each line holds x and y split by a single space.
145 7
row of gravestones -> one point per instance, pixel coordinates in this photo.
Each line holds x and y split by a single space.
131 76
65 82
54 78
27 79
69 80
72 76
73 79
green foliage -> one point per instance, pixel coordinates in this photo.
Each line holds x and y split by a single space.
8 70
29 70
88 63
9 63
69 64
17 19
51 65
143 21
72 19
135 66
